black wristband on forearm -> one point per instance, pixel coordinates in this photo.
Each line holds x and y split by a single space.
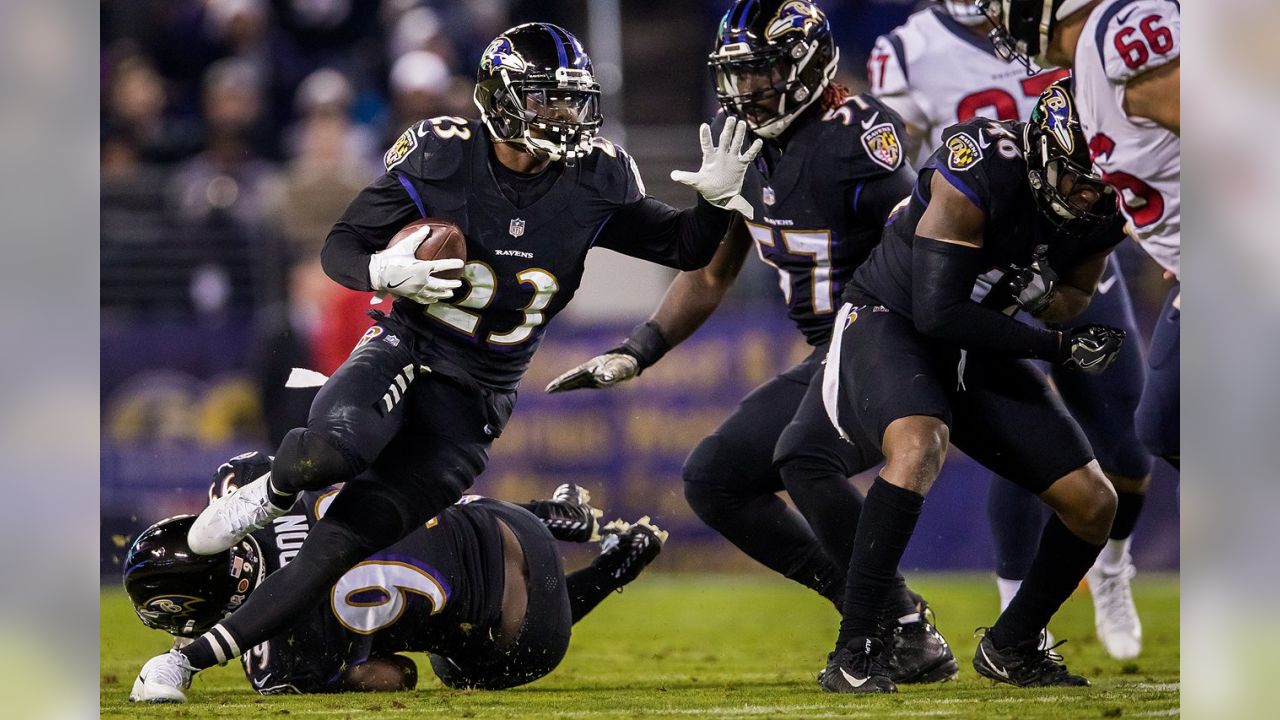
645 344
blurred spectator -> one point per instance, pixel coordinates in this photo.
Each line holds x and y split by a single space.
420 88
332 158
228 176
135 126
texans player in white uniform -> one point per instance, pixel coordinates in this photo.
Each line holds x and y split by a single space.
938 69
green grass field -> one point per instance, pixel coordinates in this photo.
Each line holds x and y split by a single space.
720 647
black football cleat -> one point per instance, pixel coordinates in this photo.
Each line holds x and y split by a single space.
916 652
860 671
628 548
569 515
1027 665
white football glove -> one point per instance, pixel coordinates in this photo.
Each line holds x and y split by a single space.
600 371
396 271
719 180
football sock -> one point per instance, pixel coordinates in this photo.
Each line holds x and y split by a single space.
1128 507
277 498
889 517
1060 563
1113 554
587 587
1007 588
1017 519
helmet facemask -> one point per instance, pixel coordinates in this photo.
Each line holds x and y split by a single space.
552 120
1070 195
767 89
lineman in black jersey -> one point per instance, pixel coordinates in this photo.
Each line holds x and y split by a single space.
479 587
918 364
830 173
407 421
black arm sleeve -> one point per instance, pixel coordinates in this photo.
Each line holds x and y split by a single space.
369 223
942 276
651 230
877 197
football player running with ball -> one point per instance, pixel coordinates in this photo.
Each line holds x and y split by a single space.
407 421
940 68
480 587
831 170
916 364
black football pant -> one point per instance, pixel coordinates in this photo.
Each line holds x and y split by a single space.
406 441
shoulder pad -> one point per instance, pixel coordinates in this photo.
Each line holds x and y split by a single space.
1135 36
611 172
866 133
977 142
432 149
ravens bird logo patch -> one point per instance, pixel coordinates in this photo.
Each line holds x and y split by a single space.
882 146
401 149
965 152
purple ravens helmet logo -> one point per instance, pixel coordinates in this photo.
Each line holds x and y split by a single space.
501 55
795 15
1059 118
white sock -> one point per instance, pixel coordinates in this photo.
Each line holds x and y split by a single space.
1113 554
1008 588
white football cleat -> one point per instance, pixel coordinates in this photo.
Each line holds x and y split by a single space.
230 518
1114 615
163 679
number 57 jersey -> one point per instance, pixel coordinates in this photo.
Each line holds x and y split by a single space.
1121 40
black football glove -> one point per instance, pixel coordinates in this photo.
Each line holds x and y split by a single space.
1033 287
1091 348
239 470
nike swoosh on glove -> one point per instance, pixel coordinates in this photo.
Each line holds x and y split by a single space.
396 271
719 180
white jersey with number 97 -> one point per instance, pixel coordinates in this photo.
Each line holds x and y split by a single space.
936 72
1121 40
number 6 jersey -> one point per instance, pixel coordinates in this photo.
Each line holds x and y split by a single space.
1121 40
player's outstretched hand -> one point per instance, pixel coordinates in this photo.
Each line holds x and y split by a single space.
719 180
1091 348
396 271
599 372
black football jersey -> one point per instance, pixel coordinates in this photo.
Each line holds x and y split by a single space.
983 159
812 221
429 592
523 263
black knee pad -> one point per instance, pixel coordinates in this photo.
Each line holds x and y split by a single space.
310 460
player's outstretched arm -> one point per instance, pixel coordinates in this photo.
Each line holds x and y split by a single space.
688 302
687 239
1157 96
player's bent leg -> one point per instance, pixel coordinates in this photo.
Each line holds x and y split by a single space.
1017 518
353 417
627 549
730 483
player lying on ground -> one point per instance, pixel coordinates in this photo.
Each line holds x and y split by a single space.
940 68
831 170
917 364
407 421
480 587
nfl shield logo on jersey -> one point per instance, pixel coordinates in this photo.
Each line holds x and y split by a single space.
516 228
769 197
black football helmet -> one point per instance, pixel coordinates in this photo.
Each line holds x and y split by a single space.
772 59
1070 194
536 88
175 590
1023 27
